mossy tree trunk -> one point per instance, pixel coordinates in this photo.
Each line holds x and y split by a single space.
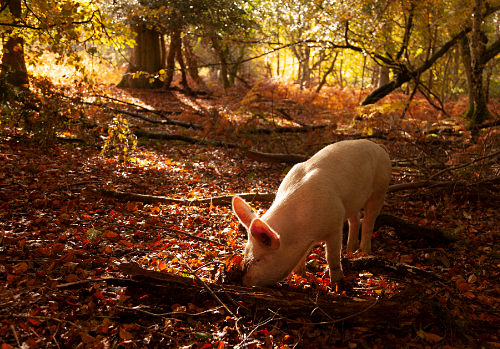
477 111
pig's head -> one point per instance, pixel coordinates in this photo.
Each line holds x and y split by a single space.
263 260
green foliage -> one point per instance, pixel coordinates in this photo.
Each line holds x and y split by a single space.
65 28
93 234
121 141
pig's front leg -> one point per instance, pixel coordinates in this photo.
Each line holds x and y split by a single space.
333 254
372 209
353 237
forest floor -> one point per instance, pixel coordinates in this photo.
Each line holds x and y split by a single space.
64 240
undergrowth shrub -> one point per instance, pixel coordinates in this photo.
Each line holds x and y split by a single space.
41 112
121 141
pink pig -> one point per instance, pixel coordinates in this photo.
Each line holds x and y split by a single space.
311 205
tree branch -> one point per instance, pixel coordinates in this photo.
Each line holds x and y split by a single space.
406 37
491 52
405 75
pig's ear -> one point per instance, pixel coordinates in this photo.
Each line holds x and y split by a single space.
243 211
264 234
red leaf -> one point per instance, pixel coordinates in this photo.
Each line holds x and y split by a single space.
34 322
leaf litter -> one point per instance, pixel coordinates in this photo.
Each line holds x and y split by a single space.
56 231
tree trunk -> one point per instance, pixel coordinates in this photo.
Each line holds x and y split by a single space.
175 39
389 48
477 111
222 52
235 66
180 59
328 72
192 62
383 77
13 68
466 60
147 57
306 71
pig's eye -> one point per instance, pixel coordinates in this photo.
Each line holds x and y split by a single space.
257 260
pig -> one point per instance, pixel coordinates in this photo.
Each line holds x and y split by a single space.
314 200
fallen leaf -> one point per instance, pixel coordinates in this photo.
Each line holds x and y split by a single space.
124 334
20 268
429 337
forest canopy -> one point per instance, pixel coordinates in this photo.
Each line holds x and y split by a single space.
441 49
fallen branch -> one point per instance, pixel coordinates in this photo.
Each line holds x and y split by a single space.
287 129
275 157
405 230
141 133
488 124
434 184
379 263
452 168
289 302
267 197
151 199
164 121
168 314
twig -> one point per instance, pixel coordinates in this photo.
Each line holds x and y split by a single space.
432 184
332 321
54 335
212 293
246 337
464 165
352 315
45 318
192 236
86 281
204 284
215 200
15 335
172 313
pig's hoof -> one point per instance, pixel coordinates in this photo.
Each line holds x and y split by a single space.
336 276
352 248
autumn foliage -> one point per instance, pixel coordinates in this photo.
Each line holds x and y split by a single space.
63 239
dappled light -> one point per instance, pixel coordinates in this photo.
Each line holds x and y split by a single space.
176 174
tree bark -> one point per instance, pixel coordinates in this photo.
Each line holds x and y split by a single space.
465 55
192 62
477 111
147 56
13 68
383 78
180 59
222 52
175 43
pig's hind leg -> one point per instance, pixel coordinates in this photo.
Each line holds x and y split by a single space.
372 209
333 254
